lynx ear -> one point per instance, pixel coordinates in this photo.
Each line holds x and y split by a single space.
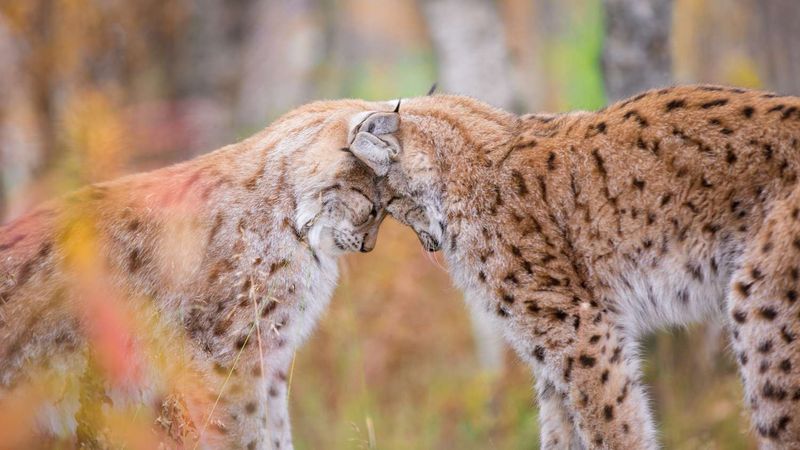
374 143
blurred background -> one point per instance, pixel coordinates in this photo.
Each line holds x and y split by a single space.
93 89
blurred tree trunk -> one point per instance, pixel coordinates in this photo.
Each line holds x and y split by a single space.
525 45
22 148
280 55
636 56
470 44
780 38
469 39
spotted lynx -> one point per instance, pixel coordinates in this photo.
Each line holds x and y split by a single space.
582 232
235 252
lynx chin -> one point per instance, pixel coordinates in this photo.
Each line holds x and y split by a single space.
582 232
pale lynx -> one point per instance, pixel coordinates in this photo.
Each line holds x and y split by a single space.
234 253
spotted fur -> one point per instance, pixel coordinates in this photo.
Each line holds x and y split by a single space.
584 231
236 254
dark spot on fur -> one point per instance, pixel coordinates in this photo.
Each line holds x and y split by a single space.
695 271
772 392
743 288
519 181
768 151
615 356
587 361
608 412
730 156
568 369
269 307
538 353
501 311
219 369
135 260
768 313
599 162
675 104
532 307
274 267
711 228
134 225
559 314
714 103
241 342
551 161
787 335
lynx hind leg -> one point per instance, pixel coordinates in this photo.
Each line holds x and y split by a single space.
764 310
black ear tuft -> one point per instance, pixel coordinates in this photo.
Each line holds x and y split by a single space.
397 108
432 89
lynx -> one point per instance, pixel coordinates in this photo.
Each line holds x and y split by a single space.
582 232
234 252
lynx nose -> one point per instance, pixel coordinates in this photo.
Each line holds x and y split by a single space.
428 242
368 242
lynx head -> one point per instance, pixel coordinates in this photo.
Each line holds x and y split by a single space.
410 200
420 144
340 203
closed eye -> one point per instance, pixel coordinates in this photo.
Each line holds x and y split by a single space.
334 187
355 189
392 200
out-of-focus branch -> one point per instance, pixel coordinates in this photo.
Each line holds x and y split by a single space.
636 54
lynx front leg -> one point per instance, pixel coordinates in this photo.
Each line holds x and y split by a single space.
604 388
250 409
598 371
555 420
263 414
279 431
